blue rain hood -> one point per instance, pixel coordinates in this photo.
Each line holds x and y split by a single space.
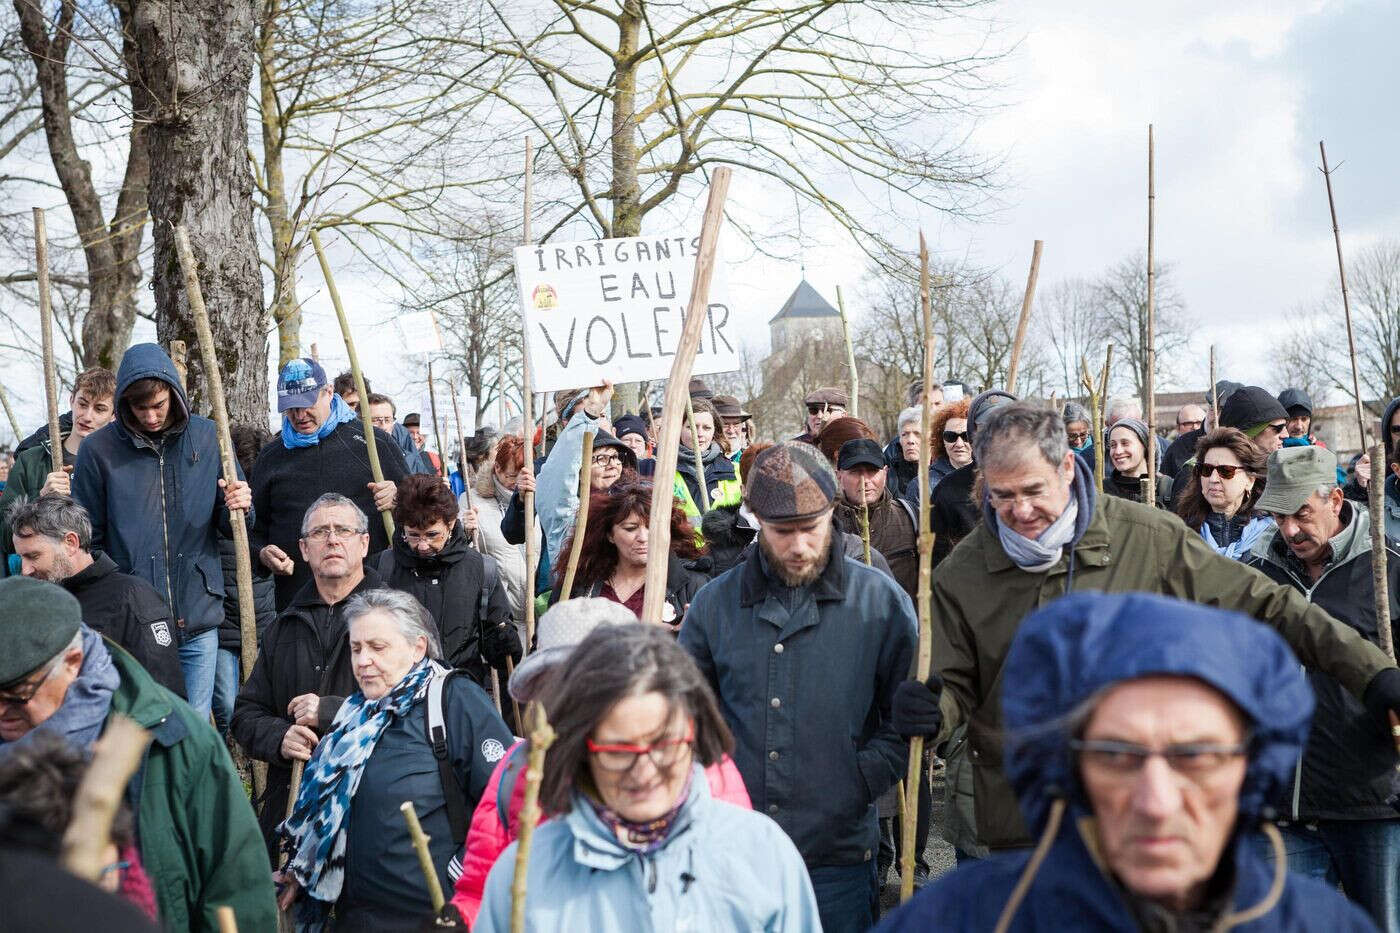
150 361
1082 643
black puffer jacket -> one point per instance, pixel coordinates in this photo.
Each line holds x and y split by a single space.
264 598
901 471
448 584
952 513
304 650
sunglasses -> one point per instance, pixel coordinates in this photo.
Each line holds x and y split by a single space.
1225 471
1278 428
952 437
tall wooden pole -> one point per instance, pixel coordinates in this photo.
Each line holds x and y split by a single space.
1346 310
425 856
924 661
461 445
9 413
541 737
850 357
115 758
699 454
527 401
214 382
1214 393
677 390
1150 337
41 257
1021 324
437 430
585 493
360 389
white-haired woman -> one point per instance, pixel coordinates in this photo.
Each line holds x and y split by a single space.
352 864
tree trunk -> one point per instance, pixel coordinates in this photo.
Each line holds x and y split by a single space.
111 251
286 309
196 57
626 191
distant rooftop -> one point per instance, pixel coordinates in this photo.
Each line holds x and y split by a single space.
805 301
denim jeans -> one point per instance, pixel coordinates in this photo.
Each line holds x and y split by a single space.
197 659
1363 856
225 689
847 896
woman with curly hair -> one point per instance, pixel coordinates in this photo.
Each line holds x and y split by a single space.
613 561
949 444
1219 502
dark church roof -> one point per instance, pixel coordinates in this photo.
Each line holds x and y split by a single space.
805 301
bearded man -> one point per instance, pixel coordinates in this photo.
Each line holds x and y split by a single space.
804 647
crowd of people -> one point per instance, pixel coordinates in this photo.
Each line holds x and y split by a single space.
1153 707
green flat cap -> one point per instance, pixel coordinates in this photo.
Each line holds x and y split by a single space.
37 621
1294 475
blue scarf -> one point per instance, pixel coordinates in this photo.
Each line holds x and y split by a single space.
340 413
314 835
1042 553
1240 549
80 718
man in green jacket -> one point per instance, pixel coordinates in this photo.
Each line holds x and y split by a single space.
199 840
1044 532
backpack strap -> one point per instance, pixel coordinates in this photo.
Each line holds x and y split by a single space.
453 797
505 787
490 576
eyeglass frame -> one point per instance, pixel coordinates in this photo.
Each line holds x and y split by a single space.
605 459
322 533
1172 755
637 751
1204 470
14 700
952 437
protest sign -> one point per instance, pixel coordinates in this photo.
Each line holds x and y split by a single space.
419 333
613 309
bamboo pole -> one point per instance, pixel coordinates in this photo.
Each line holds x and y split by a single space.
1150 338
375 471
850 360
585 493
1380 580
214 383
1346 304
228 923
437 431
677 389
527 401
425 857
41 258
115 758
1013 370
924 662
541 738
699 454
9 413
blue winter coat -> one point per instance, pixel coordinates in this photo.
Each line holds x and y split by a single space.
155 503
721 868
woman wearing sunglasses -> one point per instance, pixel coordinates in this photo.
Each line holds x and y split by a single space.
1219 503
638 842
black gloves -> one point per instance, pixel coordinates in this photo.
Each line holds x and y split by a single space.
501 641
1383 695
916 710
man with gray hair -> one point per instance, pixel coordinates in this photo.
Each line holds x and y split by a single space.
53 537
303 671
1044 532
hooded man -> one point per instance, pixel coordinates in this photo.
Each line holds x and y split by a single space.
1300 408
150 482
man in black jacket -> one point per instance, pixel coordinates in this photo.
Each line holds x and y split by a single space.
303 672
1341 827
52 536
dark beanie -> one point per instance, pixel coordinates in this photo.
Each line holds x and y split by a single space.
789 482
37 621
630 424
1250 406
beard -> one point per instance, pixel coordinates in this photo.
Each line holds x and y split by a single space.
62 569
809 571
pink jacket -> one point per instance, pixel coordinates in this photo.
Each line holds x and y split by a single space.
490 834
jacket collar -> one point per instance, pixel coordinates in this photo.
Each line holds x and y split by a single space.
309 598
1353 541
757 584
452 551
596 846
101 566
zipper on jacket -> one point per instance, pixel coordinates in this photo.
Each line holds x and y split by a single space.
165 532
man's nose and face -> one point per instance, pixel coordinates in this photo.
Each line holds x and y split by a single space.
91 413
862 484
333 544
309 420
1271 438
153 412
1299 422
820 414
381 415
1308 530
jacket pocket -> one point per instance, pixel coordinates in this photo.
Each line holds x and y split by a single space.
999 820
211 573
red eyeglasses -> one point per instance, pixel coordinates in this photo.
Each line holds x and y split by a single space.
623 757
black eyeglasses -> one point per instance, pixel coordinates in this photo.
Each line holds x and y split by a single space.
1278 428
1122 759
23 696
826 409
952 437
1226 471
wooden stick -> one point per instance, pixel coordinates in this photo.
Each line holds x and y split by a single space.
228 923
1151 336
375 471
41 256
425 857
1096 393
514 703
850 360
179 356
1214 393
214 383
541 738
699 454
585 492
1021 324
677 390
462 465
115 758
865 526
437 431
924 662
9 413
294 787
1380 576
1346 302
527 401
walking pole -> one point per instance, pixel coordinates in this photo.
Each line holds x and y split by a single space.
228 922
699 458
9 413
850 359
541 738
425 857
924 662
1346 306
1150 496
437 432
286 923
378 474
214 382
1096 391
865 526
677 390
1214 394
1021 324
585 489
527 402
41 256
115 759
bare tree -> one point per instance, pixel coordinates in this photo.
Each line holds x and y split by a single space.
1122 297
1374 280
1067 321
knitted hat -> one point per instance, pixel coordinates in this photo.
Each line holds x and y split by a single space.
790 482
630 424
1250 407
37 621
1295 398
1224 388
1135 425
983 405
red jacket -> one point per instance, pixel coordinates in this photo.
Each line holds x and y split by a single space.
490 833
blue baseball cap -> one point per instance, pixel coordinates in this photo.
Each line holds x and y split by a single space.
300 381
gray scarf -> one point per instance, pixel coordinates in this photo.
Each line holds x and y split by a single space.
89 698
1042 553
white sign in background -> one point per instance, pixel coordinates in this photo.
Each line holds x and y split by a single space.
614 309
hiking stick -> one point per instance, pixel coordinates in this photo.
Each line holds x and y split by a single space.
850 358
527 403
115 758
1095 392
865 526
1346 302
41 257
228 923
179 356
514 703
910 816
374 469
699 455
1380 577
9 413
585 489
1150 338
214 383
437 431
425 857
677 389
462 463
294 787
1214 393
1021 324
541 737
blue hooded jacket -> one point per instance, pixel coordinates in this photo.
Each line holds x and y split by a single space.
1062 655
155 503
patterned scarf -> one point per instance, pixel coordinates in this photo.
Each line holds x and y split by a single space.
340 413
644 837
314 835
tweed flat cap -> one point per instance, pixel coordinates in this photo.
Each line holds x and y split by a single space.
789 482
37 621
828 395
